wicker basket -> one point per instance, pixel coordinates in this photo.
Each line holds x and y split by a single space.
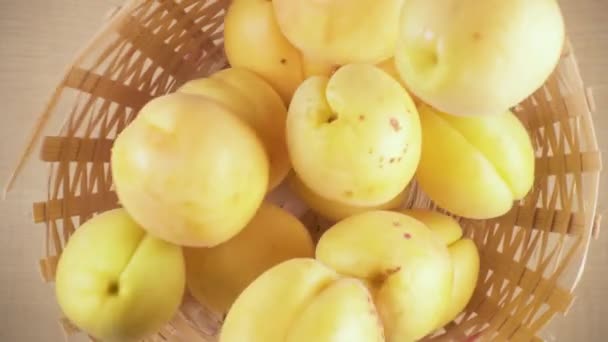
532 258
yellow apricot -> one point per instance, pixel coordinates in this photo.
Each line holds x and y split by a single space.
464 256
180 178
341 32
465 262
103 281
355 137
406 264
265 311
266 115
217 275
342 312
471 57
335 210
446 227
253 41
474 166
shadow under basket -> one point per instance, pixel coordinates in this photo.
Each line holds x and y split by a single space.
531 258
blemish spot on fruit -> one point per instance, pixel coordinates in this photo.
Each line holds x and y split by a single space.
361 117
397 224
392 271
398 159
381 159
333 117
370 151
477 36
283 61
392 160
348 193
407 236
395 124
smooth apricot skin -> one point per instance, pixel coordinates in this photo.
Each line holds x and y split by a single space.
464 256
116 282
334 210
189 171
254 101
354 138
216 276
475 167
265 311
253 41
478 58
341 32
342 312
407 266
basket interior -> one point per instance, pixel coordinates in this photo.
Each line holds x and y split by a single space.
531 257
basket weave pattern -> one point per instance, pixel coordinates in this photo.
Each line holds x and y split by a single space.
532 257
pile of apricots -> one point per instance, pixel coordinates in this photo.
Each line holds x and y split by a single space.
345 104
